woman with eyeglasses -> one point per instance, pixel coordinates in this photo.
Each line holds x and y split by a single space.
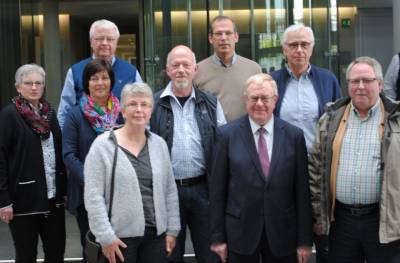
98 110
32 173
144 219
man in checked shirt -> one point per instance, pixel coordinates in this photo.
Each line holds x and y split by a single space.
354 171
187 119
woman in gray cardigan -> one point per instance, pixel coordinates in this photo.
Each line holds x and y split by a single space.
145 210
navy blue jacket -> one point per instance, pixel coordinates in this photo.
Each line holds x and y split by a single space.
77 137
244 205
325 84
123 71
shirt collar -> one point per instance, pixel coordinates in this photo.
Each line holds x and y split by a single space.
112 60
306 73
168 92
219 62
269 126
374 110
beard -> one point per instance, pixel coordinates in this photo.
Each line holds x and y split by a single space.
181 84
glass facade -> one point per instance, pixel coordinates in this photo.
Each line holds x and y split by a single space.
54 33
260 25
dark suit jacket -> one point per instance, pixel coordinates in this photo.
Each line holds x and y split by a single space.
243 204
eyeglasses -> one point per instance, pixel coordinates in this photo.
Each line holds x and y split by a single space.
264 99
31 83
364 81
136 105
219 34
101 39
103 79
295 45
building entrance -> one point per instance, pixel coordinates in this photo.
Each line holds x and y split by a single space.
55 34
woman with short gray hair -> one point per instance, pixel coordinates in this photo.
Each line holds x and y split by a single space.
32 173
144 219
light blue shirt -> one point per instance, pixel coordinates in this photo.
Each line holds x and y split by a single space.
68 95
219 62
187 155
358 177
300 105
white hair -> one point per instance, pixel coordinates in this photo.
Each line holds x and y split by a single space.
135 89
184 47
376 66
26 70
297 28
104 24
259 79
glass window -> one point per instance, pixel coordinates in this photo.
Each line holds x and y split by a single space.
168 24
270 22
55 34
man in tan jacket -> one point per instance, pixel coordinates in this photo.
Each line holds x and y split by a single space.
354 175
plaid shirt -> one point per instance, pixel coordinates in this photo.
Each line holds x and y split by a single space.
358 176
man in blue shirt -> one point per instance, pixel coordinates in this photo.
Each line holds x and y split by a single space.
187 119
304 90
104 37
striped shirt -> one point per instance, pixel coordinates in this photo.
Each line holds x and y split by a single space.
358 176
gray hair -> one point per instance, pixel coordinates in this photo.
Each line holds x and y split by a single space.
180 46
259 79
297 28
26 70
376 66
135 89
105 24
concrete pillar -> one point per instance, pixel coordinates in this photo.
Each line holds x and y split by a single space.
52 52
396 26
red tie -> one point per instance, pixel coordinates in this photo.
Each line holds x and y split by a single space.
263 152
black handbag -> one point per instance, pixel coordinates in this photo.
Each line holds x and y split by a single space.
93 250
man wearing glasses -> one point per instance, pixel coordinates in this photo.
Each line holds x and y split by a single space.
104 37
260 207
304 89
224 73
354 171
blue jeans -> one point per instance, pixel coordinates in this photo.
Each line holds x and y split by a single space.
193 208
355 239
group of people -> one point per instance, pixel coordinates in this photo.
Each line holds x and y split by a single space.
257 166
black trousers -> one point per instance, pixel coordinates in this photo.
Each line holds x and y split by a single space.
83 225
262 254
25 231
146 249
321 246
355 239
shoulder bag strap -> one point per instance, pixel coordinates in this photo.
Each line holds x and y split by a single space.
113 177
398 82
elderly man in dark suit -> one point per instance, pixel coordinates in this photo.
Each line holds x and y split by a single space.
259 192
